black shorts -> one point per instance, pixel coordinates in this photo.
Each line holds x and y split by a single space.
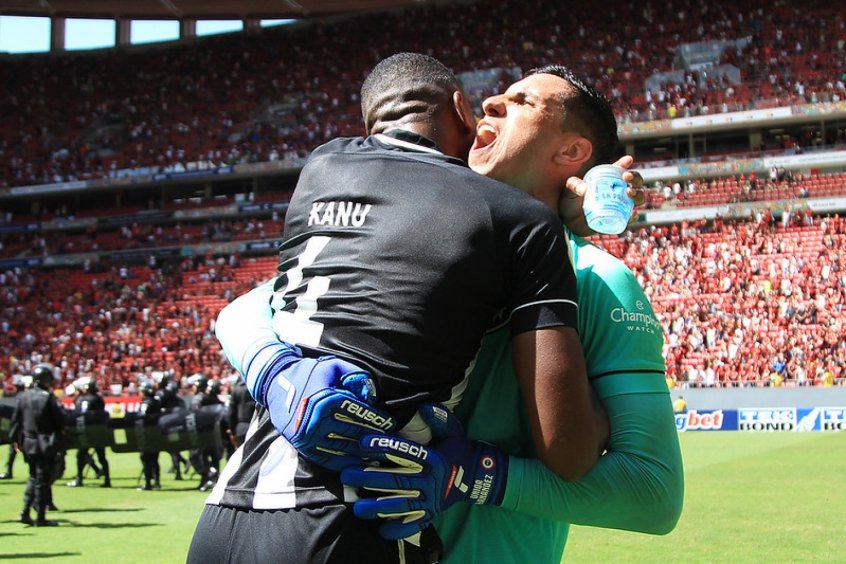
326 535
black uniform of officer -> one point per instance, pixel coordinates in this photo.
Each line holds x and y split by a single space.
241 409
150 405
37 428
168 394
205 460
18 383
90 399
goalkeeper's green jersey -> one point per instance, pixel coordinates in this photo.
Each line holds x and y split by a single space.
637 485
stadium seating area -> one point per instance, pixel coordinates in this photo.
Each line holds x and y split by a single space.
279 93
122 323
767 292
142 234
759 292
744 188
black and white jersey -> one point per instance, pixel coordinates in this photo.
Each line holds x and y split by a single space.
398 258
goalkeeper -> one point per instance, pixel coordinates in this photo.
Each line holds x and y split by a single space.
638 484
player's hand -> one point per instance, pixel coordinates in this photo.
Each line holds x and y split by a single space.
573 195
415 483
323 406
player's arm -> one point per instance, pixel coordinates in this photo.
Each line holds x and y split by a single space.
321 405
638 485
556 396
548 357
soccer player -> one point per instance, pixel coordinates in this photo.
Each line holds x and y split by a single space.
398 257
638 484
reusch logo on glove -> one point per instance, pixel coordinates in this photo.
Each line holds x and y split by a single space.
400 446
365 414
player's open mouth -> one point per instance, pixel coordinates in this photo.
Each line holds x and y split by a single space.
485 135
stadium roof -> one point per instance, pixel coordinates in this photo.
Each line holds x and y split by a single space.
194 9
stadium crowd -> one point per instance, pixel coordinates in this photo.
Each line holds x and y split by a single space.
778 185
757 302
140 236
117 326
766 292
138 232
279 93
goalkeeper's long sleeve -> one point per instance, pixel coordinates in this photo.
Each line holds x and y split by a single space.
637 485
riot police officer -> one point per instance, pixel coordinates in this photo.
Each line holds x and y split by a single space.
150 405
167 391
241 409
18 384
37 428
205 460
90 400
214 454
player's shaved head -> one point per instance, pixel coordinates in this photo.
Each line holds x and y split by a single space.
406 88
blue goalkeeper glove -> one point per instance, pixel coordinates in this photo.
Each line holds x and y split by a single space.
321 405
416 483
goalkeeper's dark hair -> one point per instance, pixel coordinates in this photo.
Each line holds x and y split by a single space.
405 88
587 113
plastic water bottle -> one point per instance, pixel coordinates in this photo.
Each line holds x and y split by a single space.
607 207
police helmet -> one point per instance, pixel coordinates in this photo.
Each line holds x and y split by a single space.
214 387
160 377
18 381
42 376
147 388
199 380
86 384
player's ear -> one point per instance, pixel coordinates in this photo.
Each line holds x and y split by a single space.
462 107
574 152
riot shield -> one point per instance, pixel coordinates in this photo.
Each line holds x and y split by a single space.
89 430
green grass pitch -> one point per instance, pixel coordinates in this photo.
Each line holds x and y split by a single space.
751 497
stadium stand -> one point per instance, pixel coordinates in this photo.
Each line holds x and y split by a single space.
730 295
276 94
129 280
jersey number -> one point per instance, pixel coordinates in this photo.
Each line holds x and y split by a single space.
292 321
